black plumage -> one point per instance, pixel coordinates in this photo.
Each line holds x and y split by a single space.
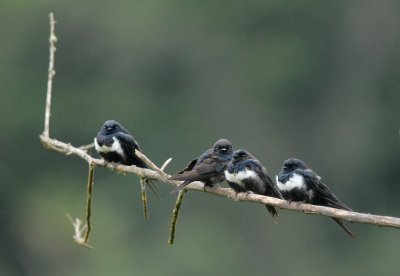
208 168
297 182
246 174
115 144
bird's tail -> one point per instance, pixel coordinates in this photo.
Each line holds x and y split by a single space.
274 213
150 183
180 187
348 231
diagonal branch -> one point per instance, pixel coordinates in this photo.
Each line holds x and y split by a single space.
356 217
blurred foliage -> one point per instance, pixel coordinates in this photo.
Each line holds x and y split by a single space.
316 80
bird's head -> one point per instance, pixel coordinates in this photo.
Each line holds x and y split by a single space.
241 155
293 164
111 126
223 146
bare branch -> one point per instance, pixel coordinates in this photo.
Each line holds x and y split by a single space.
150 164
87 147
384 221
51 73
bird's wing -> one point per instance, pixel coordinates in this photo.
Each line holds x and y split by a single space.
183 173
323 193
197 171
128 143
262 173
210 166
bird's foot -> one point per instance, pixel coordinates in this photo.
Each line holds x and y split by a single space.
209 186
248 193
297 203
113 165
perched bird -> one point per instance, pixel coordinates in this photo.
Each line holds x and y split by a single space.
297 182
115 144
208 168
246 174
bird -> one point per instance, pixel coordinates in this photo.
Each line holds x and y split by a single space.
246 174
115 144
208 168
297 182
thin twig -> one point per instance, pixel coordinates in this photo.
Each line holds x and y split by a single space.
89 197
150 163
175 214
87 147
144 196
78 230
51 73
166 163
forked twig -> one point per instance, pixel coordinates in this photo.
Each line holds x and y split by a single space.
78 231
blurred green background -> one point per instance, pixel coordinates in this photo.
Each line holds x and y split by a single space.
318 80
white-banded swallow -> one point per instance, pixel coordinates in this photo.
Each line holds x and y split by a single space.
208 168
246 174
115 144
297 182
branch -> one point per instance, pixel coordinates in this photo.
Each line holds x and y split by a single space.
356 217
51 73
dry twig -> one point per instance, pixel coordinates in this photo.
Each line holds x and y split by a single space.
78 231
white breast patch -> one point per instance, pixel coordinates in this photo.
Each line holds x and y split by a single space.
115 147
296 181
238 177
